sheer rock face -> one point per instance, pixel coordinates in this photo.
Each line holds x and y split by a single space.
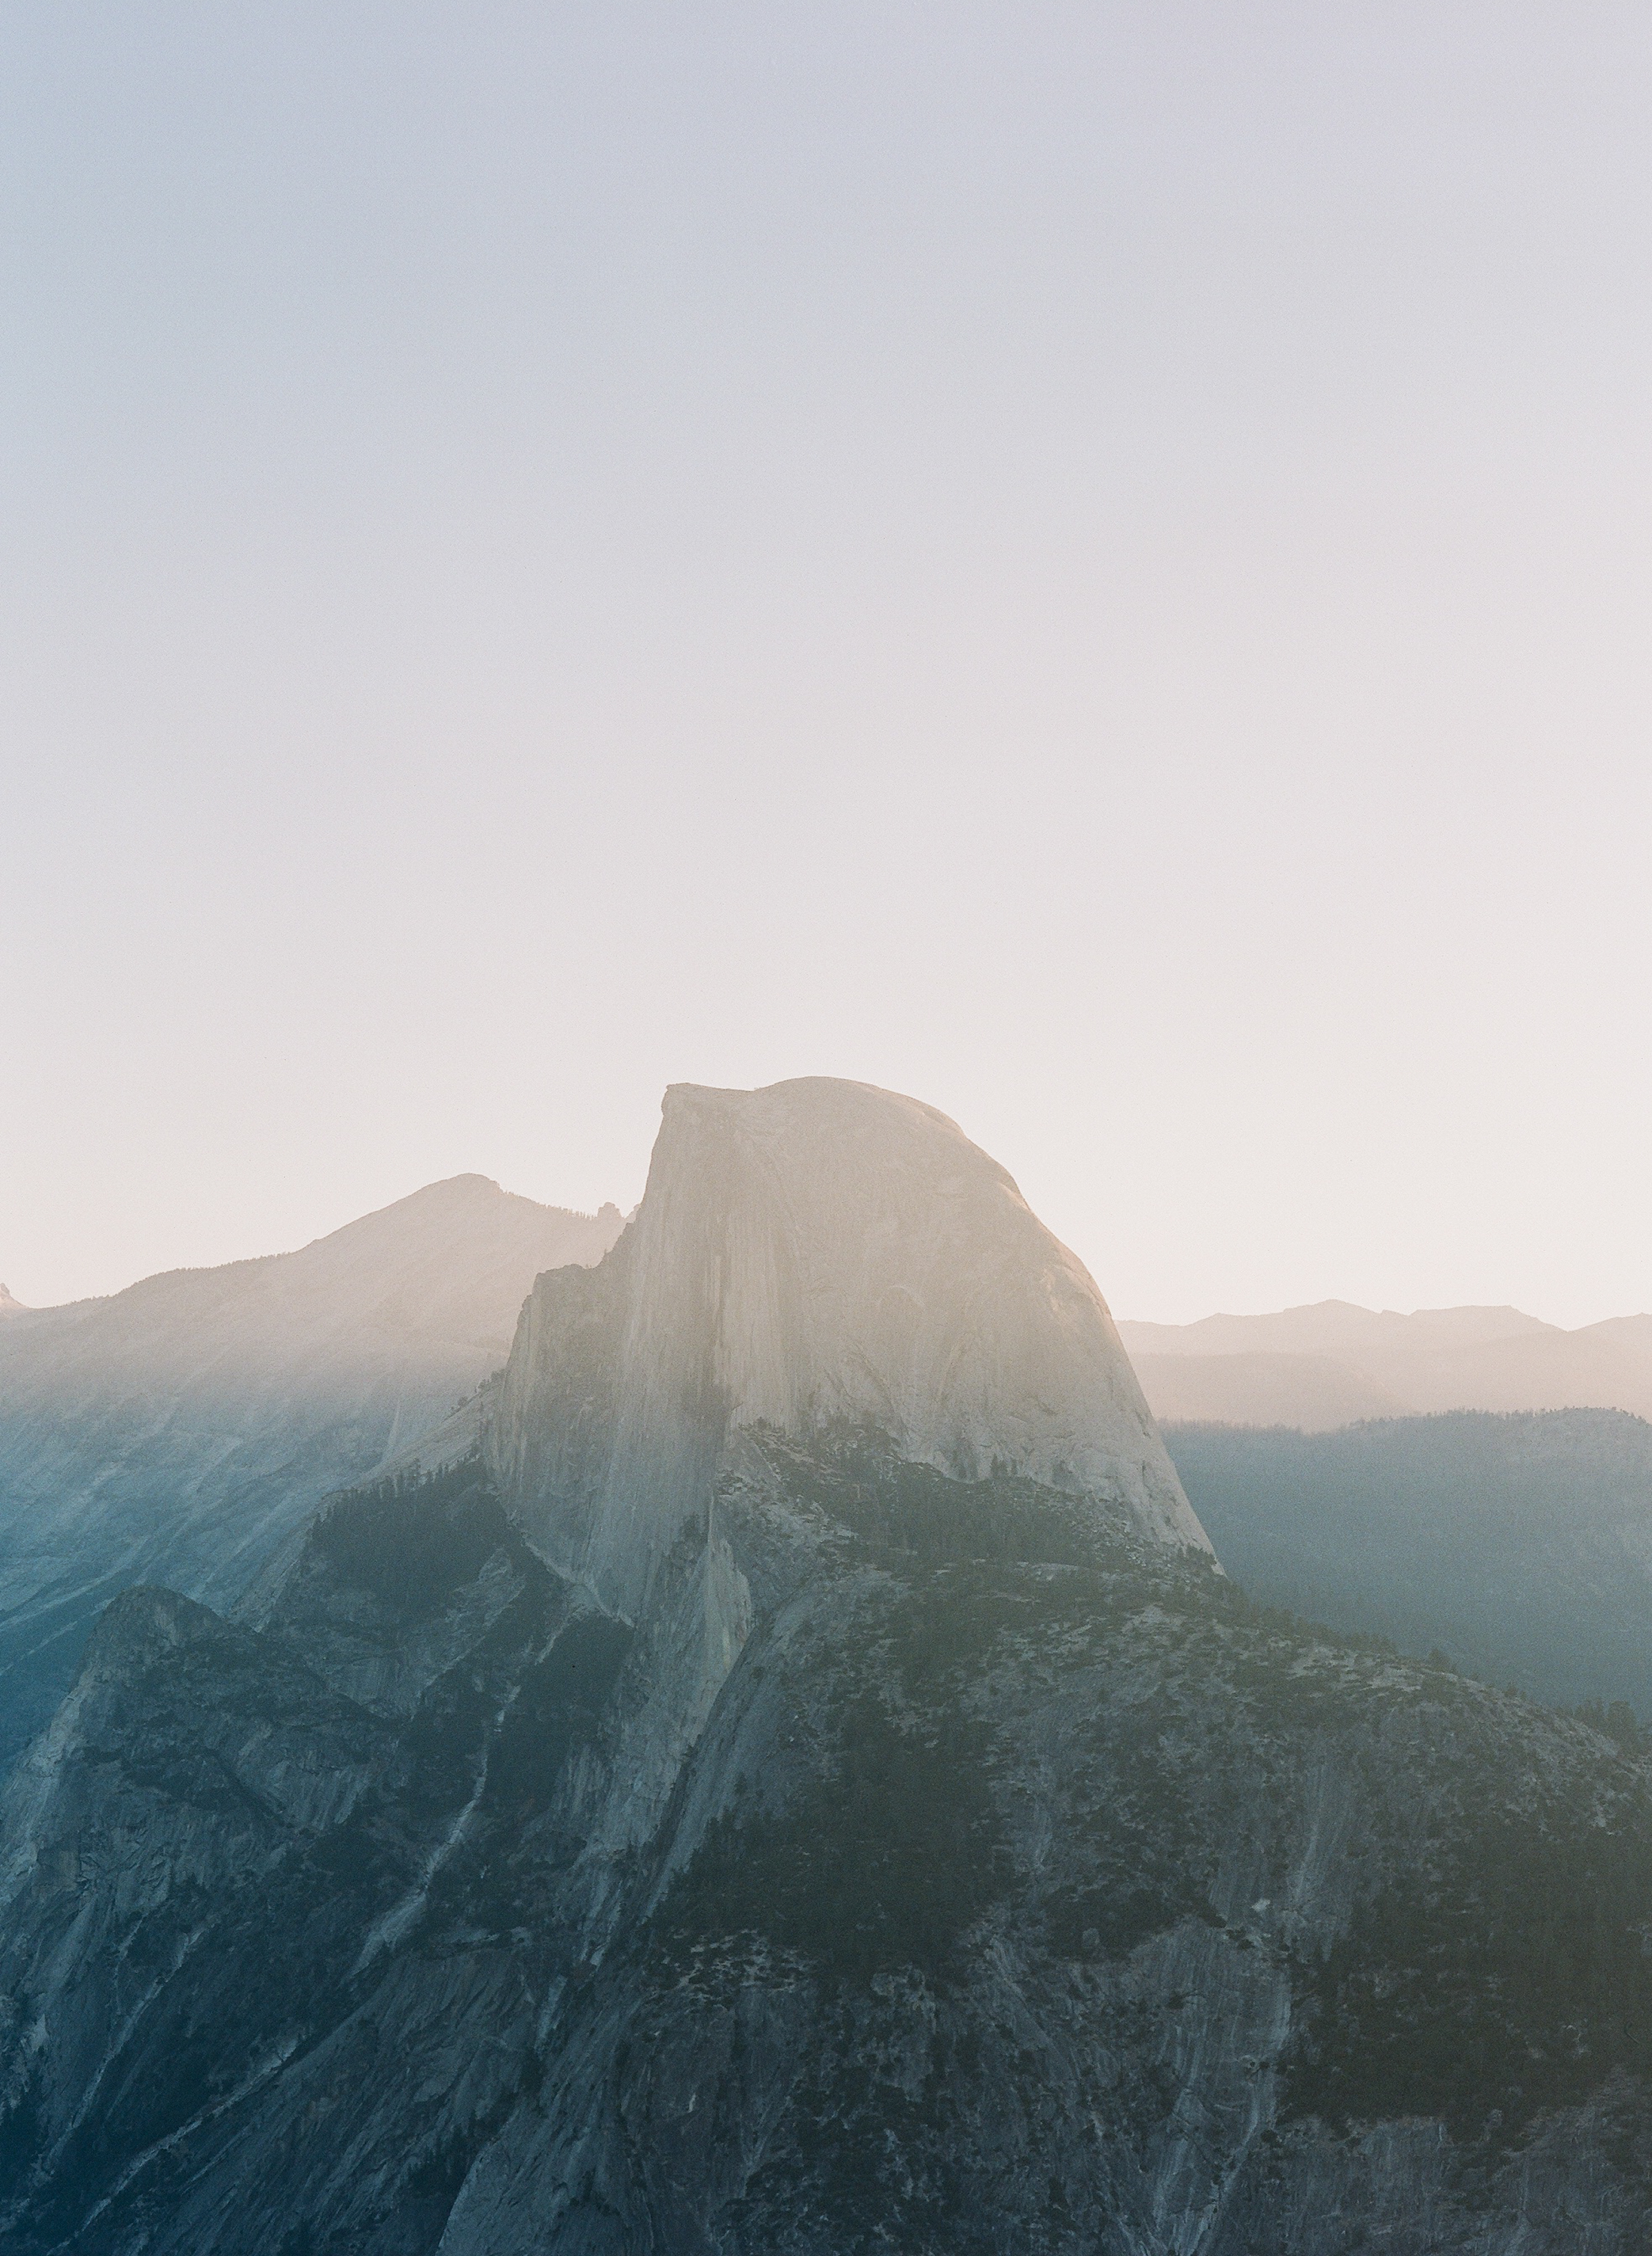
928 1863
819 1255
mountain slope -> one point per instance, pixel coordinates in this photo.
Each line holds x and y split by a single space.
178 1429
882 1825
1522 1545
999 1902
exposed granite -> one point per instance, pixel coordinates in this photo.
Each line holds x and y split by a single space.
993 1904
807 1788
814 1255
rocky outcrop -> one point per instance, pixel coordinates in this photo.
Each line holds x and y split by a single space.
178 1430
813 1257
810 1789
996 1903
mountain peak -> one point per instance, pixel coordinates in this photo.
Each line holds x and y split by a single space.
820 1254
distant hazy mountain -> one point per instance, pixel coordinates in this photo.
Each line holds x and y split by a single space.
176 1430
1520 1545
803 1785
1326 1365
1312 1390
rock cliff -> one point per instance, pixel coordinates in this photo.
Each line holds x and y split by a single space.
818 1257
999 1901
808 1789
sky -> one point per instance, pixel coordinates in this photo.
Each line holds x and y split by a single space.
1089 564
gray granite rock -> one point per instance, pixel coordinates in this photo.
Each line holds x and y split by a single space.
863 1834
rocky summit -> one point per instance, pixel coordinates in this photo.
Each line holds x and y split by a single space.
814 1259
801 1782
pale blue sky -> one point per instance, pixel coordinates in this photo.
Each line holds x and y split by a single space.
1091 564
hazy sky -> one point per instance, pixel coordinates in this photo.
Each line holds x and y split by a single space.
1091 564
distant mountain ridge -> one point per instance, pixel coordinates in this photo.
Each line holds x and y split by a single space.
1333 1364
178 1429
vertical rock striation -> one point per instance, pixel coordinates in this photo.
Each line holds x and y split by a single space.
814 1258
812 1791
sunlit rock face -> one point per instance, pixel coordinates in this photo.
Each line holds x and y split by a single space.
814 1792
814 1258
